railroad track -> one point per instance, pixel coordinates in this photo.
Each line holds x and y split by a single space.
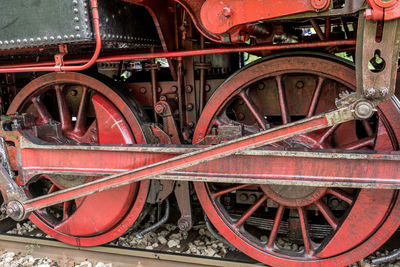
39 247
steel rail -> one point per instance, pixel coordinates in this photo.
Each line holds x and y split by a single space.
122 257
41 66
192 158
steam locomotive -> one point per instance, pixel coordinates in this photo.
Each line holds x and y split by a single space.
281 119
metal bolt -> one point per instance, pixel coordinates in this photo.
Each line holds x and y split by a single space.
160 108
183 224
189 107
163 98
363 110
188 89
370 92
15 210
142 90
174 89
383 91
226 12
207 88
243 197
300 85
191 124
261 86
252 198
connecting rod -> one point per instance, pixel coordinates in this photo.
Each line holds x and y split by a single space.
22 207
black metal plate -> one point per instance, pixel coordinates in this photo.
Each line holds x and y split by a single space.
38 23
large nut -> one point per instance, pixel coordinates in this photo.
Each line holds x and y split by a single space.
363 110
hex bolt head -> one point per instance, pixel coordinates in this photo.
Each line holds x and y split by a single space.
383 91
370 92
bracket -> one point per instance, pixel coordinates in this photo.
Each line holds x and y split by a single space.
375 43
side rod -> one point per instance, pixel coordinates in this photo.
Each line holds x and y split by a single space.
192 158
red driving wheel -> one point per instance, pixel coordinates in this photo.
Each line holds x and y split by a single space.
298 225
88 111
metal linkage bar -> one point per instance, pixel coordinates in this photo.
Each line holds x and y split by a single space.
190 159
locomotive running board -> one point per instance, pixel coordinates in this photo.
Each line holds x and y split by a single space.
18 207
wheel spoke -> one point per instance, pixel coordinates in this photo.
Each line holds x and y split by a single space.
315 98
282 100
65 116
250 211
343 195
80 124
304 230
228 190
367 127
52 189
66 209
327 213
327 133
275 227
359 144
253 109
41 109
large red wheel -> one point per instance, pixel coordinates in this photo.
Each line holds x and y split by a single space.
89 111
295 225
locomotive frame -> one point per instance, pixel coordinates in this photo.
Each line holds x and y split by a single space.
104 144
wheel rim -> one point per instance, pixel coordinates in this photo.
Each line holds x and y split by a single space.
239 101
89 112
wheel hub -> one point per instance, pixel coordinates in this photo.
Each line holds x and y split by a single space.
294 195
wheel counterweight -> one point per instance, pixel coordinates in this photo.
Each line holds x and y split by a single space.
88 111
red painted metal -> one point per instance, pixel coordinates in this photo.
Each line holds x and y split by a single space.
41 66
221 16
80 223
370 211
178 162
382 10
59 67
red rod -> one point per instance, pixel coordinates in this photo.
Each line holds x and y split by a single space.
38 66
50 66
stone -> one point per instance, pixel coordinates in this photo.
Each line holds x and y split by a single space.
173 243
162 240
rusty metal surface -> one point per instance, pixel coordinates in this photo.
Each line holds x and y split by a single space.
381 49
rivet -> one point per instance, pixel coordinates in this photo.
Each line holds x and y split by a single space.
38 39
59 37
52 38
75 2
65 36
12 41
6 42
78 36
76 19
18 41
76 10
25 40
45 38
31 39
1 42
